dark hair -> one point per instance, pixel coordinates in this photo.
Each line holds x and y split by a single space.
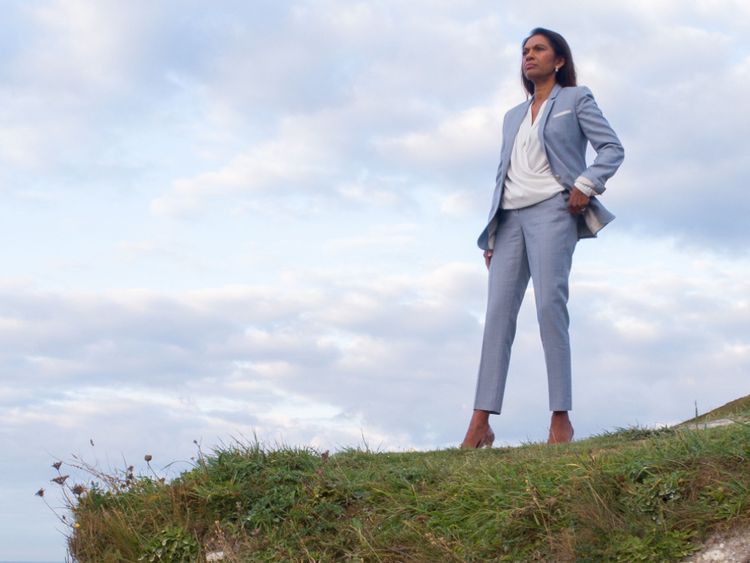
566 76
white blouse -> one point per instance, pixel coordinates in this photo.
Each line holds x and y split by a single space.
530 179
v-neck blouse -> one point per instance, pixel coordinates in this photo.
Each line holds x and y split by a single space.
530 179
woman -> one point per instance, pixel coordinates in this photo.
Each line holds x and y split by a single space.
544 201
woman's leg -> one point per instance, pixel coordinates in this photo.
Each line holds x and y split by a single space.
508 278
551 237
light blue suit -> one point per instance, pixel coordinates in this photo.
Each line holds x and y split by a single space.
538 241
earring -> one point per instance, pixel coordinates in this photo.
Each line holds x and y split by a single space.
557 68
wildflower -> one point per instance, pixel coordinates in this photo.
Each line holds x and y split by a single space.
40 492
78 490
76 525
57 465
60 479
148 457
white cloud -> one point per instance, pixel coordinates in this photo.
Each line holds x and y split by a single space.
79 44
340 339
377 193
276 166
461 204
386 238
459 137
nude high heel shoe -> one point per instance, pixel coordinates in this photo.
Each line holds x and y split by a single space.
553 439
484 442
488 439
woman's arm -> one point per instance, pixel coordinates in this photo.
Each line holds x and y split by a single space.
596 128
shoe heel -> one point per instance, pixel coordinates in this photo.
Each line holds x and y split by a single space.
488 440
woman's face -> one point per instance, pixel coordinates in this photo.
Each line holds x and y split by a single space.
538 58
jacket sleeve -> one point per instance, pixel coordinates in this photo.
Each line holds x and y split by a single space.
596 128
502 151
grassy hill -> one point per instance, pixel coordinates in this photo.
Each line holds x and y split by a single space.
629 495
739 409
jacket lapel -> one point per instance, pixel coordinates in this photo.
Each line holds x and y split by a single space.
547 110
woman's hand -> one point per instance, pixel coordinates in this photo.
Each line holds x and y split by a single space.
487 258
577 201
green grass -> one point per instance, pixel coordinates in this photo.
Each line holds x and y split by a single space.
630 495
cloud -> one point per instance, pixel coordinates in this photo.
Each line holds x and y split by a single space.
336 340
384 239
350 109
297 159
461 204
84 45
673 101
75 57
403 117
379 102
459 137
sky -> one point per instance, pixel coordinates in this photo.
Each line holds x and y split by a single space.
257 221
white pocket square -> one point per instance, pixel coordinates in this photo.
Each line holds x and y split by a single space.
561 113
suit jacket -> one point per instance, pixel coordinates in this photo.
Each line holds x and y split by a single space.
571 119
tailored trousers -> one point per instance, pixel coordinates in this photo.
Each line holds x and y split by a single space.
538 242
